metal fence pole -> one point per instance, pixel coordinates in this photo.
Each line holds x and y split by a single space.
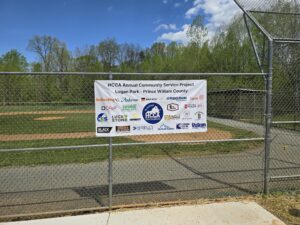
268 118
110 185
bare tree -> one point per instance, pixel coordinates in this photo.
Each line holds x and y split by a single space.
43 46
61 57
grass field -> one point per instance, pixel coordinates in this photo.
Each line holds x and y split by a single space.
84 122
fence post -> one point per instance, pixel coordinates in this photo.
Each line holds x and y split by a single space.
110 190
268 118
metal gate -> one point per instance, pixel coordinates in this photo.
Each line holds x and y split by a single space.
277 51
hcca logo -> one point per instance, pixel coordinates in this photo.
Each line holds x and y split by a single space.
102 117
153 113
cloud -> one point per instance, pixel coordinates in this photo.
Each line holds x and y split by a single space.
179 36
177 5
165 1
217 12
157 21
165 27
110 8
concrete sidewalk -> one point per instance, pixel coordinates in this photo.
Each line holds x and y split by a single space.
231 213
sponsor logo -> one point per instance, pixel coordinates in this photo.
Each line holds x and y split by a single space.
182 126
192 106
119 118
199 125
102 117
188 106
198 115
186 115
129 100
104 130
148 99
140 128
180 99
197 98
107 100
172 107
108 107
135 117
122 129
153 113
172 117
129 107
165 127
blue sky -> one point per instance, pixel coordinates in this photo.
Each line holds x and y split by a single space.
84 22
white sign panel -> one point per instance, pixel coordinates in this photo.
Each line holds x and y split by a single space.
126 108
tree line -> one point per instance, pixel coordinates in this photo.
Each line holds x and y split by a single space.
228 51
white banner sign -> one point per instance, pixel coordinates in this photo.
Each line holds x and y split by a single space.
126 108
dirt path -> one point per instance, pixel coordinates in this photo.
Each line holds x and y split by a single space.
45 112
31 137
212 134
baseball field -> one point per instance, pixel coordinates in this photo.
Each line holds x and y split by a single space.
46 126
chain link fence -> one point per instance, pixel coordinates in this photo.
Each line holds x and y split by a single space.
52 163
274 27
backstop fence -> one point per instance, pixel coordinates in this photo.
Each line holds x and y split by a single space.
52 163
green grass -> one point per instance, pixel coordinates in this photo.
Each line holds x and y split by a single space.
84 122
26 124
88 155
282 117
287 117
45 107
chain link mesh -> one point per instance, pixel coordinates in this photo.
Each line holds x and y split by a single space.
39 112
270 5
51 161
286 118
279 17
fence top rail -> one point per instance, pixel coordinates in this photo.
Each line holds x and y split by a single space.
275 12
127 74
287 40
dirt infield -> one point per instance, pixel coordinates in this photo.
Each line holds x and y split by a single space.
31 137
47 118
45 112
212 134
